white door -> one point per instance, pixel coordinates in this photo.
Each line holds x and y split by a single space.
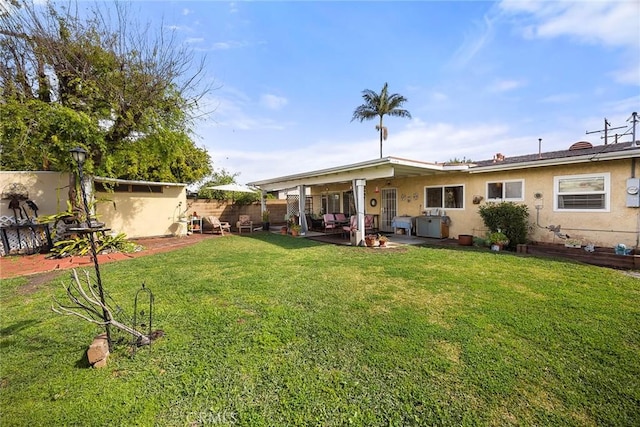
388 209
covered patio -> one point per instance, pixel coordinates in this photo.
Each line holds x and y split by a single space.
367 184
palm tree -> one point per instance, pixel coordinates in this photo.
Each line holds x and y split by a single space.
379 105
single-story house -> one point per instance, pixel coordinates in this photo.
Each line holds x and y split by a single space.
588 192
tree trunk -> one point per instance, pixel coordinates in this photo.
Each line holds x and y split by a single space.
381 130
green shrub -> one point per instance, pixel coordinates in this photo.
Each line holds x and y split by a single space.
508 218
80 245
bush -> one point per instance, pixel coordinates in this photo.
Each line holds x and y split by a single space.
507 217
81 245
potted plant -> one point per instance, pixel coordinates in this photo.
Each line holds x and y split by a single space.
465 239
383 240
295 229
265 220
497 240
288 219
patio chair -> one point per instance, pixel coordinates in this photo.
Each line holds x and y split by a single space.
244 222
314 223
330 224
213 223
353 225
341 218
369 226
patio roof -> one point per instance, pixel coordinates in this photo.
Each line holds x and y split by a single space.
388 167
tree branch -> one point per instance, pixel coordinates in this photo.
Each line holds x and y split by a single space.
86 303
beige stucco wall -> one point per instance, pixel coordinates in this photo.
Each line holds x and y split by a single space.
135 214
48 190
143 214
619 225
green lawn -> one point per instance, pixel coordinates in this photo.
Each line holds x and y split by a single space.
275 331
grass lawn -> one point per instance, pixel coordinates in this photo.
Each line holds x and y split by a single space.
269 330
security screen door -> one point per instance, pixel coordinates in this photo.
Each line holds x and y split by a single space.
388 209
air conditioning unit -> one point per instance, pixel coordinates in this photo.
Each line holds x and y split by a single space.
633 192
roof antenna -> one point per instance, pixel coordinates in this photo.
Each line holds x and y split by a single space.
605 130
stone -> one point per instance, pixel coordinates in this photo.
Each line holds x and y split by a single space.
98 351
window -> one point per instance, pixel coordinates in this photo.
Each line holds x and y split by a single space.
331 203
508 191
581 192
448 197
348 203
308 205
128 188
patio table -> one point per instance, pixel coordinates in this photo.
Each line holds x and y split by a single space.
404 222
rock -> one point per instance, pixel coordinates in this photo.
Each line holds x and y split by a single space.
98 351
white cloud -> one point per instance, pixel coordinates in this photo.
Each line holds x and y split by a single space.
273 102
439 97
630 75
611 23
505 85
474 42
606 23
228 45
194 40
560 98
234 110
186 11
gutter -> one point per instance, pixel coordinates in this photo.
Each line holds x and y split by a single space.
127 181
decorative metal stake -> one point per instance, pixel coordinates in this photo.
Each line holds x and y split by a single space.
149 294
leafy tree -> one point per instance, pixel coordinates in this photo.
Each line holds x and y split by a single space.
380 105
36 135
104 83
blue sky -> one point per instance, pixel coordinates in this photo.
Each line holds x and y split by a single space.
480 77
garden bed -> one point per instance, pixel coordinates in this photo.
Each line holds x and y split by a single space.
601 256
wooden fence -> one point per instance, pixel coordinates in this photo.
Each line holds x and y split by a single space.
229 212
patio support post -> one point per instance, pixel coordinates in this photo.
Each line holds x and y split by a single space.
358 187
263 202
301 205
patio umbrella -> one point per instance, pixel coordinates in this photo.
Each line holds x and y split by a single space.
236 188
233 188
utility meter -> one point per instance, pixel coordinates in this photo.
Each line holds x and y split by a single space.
633 192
